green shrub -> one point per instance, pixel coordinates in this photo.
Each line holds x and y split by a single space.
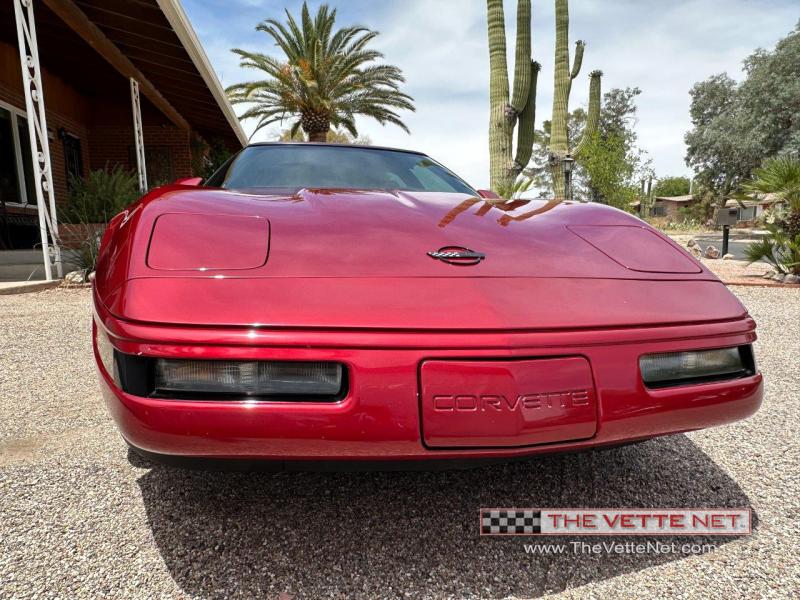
99 196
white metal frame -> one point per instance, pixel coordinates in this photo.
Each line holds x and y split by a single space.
37 130
138 134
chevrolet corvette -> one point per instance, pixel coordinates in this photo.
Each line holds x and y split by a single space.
319 303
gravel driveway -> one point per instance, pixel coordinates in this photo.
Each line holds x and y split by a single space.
81 518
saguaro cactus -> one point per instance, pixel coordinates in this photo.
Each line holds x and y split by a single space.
520 110
563 77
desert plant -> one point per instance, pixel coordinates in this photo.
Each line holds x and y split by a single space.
82 253
778 249
99 196
563 78
780 176
516 188
776 214
510 110
326 80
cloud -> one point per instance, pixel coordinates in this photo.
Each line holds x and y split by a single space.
662 47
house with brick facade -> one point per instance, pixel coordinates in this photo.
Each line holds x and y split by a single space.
90 84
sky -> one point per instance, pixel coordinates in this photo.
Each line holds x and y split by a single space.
661 46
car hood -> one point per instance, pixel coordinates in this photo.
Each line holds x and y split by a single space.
358 258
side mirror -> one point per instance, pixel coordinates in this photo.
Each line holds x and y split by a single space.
190 181
488 195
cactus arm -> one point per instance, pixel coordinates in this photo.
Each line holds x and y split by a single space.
522 58
526 124
497 49
580 46
593 114
577 62
500 128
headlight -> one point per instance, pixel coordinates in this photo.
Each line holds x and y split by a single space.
680 368
247 378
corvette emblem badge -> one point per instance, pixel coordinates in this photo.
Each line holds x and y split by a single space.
456 255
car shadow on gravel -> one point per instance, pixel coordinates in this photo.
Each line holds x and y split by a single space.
397 534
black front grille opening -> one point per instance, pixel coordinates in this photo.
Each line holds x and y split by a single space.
748 369
136 375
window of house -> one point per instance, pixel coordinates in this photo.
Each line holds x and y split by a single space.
16 173
73 158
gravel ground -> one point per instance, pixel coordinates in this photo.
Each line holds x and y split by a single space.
81 518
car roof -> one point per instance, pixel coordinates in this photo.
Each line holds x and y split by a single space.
367 146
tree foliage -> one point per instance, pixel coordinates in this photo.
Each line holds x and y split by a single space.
672 186
737 125
611 163
327 78
608 172
335 136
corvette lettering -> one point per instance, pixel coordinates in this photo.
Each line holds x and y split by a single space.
499 402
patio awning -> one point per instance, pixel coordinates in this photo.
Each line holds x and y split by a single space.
155 36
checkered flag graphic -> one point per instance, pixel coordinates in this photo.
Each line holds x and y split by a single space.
503 521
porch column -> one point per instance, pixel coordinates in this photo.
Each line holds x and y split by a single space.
138 134
37 131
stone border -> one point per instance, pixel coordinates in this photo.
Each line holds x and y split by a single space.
8 288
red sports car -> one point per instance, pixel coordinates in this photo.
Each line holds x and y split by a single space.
315 303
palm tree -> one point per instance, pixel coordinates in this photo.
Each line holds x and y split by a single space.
326 80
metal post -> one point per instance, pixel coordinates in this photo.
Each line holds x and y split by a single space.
726 230
642 202
138 134
568 162
37 132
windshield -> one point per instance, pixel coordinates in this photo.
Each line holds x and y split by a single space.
338 167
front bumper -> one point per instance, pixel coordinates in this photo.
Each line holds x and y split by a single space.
379 418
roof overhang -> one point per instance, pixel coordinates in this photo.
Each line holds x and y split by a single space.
679 199
87 43
177 18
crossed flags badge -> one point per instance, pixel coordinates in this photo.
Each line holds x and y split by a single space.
505 521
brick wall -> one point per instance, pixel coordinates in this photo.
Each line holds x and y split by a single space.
115 145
